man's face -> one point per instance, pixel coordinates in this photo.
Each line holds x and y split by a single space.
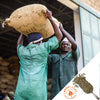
65 46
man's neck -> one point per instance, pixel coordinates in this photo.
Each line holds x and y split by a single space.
63 53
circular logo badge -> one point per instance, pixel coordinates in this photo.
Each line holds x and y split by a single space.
70 92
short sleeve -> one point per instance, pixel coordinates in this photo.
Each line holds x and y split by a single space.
52 44
76 53
19 49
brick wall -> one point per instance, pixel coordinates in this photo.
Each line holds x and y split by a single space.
95 4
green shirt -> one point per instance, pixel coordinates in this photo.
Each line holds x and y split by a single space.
63 69
33 70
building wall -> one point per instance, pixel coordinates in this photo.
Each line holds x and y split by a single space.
94 4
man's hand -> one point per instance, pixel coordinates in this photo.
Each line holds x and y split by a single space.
20 39
61 26
68 36
57 31
48 14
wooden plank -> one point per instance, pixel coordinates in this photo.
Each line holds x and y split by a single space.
20 2
69 4
8 39
6 7
7 50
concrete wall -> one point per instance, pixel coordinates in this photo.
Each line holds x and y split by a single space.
94 4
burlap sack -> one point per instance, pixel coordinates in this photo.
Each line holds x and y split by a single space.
30 18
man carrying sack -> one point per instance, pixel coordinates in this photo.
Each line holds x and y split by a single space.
32 81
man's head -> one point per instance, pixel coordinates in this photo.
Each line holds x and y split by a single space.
65 45
35 38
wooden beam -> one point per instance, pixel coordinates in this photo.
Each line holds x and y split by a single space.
20 2
5 6
7 39
69 4
57 9
8 42
11 34
7 50
66 14
5 31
